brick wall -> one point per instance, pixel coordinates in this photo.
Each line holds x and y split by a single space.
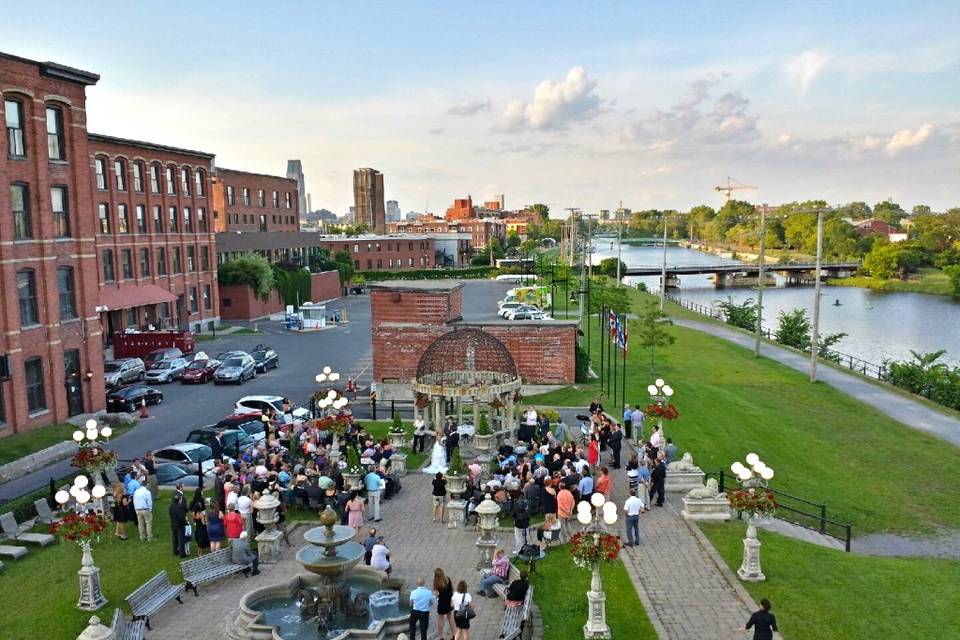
325 286
238 302
269 216
427 307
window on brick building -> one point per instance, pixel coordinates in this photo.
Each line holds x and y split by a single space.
138 177
185 181
205 258
126 264
356 264
288 200
56 145
177 260
356 248
246 197
157 219
131 314
15 138
229 195
276 200
261 198
379 263
369 264
154 178
207 297
201 219
144 263
193 300
200 183
27 297
161 261
33 374
274 218
123 219
68 304
141 215
103 216
171 180
263 222
120 173
390 263
106 257
410 247
60 206
100 171
191 259
172 220
187 220
20 205
409 262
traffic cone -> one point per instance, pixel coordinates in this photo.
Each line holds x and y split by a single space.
143 409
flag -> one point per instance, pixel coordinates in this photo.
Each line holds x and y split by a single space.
613 319
622 338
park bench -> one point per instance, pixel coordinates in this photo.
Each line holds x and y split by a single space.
12 552
44 514
513 617
11 529
124 629
152 596
208 568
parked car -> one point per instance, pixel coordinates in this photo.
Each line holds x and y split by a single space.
159 355
129 399
253 427
226 354
265 358
167 370
509 306
527 314
120 372
236 368
231 442
170 474
188 454
199 371
505 313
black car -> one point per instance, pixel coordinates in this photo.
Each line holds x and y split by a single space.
128 399
265 358
232 442
170 474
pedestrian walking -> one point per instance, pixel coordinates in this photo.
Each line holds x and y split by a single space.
762 622
178 525
637 419
628 420
421 601
658 479
633 506
616 444
463 611
439 496
443 590
374 484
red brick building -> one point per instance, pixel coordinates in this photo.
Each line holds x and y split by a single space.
51 364
407 316
462 209
480 229
156 246
238 302
247 201
874 227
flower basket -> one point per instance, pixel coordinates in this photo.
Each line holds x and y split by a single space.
79 527
589 547
759 502
94 459
421 400
338 425
497 403
663 412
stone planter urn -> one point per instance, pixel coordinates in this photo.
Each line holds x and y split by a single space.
456 484
352 481
484 443
397 439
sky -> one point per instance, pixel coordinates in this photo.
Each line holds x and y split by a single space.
573 104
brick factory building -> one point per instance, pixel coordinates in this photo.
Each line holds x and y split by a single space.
245 201
368 200
51 363
480 229
407 316
462 209
156 245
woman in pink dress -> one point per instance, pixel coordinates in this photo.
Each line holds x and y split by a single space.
355 512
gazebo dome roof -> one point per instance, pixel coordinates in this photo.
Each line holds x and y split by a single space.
465 350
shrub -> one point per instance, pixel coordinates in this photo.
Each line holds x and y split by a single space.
251 270
582 365
456 463
397 426
483 427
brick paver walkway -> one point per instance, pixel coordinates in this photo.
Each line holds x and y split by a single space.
417 545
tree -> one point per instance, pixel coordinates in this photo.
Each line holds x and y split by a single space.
513 239
953 276
344 264
697 220
608 267
651 332
603 294
250 269
542 210
881 262
743 315
292 283
888 211
793 330
920 210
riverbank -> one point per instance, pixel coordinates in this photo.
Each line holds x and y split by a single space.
932 281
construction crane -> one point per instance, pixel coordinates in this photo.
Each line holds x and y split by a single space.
733 185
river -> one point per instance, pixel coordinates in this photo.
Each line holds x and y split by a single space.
879 325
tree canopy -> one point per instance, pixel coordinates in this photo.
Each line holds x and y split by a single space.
250 269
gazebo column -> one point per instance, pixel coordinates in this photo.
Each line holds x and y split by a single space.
438 413
476 412
509 416
459 410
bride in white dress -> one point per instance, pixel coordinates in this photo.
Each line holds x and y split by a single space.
438 458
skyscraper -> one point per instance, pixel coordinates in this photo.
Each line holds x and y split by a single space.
368 199
295 172
393 211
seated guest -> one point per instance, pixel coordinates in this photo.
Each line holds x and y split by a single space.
499 573
517 591
242 554
380 556
549 531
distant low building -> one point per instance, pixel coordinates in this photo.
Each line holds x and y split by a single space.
874 227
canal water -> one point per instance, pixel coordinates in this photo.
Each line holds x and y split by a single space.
880 325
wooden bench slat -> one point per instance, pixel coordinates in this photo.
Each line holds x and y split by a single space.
153 595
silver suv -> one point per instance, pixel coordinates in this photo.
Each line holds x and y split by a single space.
117 373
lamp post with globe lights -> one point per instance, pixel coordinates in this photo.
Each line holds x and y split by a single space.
94 457
328 403
592 545
660 394
754 498
82 527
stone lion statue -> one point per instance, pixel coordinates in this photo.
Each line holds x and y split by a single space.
683 464
708 492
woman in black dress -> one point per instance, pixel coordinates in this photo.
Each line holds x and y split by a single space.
443 587
199 521
122 511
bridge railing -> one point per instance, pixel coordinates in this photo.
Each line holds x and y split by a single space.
851 362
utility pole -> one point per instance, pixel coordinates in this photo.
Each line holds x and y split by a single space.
760 280
588 248
663 270
815 336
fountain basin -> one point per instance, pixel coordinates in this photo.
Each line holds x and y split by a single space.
314 560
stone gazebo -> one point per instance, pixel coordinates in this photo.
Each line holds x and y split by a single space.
466 366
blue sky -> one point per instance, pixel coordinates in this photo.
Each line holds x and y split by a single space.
573 104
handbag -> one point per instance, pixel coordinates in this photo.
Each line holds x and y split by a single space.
466 610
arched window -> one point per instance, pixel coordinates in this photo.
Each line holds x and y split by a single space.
200 177
185 181
120 172
138 177
100 171
154 178
16 139
56 142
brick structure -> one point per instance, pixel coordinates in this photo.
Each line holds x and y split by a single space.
462 209
407 316
480 229
245 201
368 200
238 302
51 364
156 246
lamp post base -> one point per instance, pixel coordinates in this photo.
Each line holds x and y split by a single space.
750 570
91 598
596 626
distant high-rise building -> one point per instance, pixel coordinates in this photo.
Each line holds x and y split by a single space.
368 199
393 211
295 172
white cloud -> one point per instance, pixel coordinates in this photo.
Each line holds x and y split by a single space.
905 139
804 69
555 105
469 108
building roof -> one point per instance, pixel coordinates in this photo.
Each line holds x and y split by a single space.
152 146
127 296
258 175
261 240
57 70
465 349
415 285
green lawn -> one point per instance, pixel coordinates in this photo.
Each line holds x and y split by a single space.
822 594
560 588
18 445
378 429
823 445
933 281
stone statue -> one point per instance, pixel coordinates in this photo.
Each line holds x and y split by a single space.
307 601
709 492
683 464
360 606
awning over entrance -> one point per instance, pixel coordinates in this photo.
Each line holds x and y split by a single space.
127 296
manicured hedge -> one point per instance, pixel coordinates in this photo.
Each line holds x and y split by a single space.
429 274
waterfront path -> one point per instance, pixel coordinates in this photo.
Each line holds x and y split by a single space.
910 412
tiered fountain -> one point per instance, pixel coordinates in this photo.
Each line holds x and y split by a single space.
339 601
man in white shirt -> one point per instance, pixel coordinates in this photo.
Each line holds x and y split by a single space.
633 506
380 556
637 419
143 505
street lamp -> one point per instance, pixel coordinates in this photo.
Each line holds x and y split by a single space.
594 515
660 393
91 433
754 477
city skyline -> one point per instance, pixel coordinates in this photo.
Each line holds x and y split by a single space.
650 105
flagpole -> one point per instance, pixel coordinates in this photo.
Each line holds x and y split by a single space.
617 340
626 337
603 378
610 381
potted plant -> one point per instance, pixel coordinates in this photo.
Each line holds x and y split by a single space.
484 435
353 474
84 528
456 475
397 433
